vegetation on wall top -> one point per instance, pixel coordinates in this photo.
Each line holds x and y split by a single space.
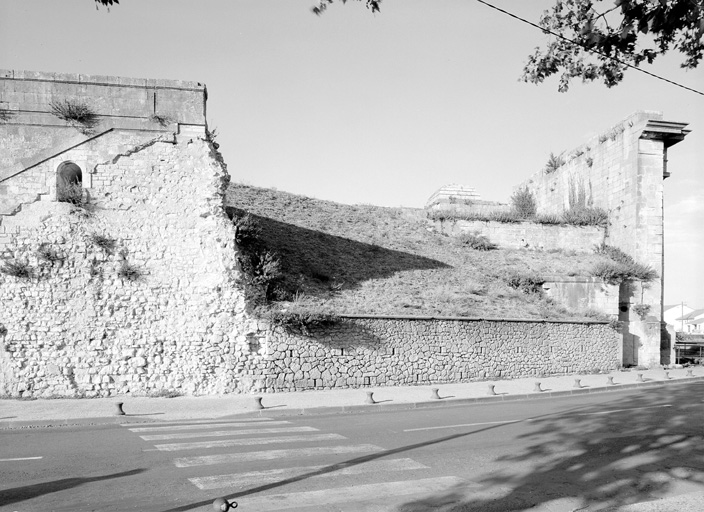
76 113
523 209
620 266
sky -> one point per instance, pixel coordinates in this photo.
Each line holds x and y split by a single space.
382 108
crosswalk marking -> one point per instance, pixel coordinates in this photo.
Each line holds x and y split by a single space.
240 480
229 458
354 494
172 447
222 433
202 426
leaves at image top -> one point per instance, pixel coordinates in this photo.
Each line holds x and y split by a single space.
599 40
372 5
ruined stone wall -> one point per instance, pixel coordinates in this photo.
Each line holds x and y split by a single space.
528 235
79 326
30 133
367 351
621 171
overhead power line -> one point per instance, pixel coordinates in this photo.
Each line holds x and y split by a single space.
572 41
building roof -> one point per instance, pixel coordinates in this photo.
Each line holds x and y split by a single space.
454 191
692 314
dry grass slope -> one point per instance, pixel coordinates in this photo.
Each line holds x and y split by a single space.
365 259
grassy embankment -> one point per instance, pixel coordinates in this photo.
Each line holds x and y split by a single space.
365 259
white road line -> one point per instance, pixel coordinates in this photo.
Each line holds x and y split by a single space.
623 410
20 458
354 494
250 441
276 475
200 422
463 425
227 458
221 433
203 426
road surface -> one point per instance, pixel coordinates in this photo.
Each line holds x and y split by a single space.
588 452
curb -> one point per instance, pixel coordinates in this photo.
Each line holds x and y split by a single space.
350 409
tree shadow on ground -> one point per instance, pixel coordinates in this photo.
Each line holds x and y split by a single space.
317 262
331 468
597 460
17 494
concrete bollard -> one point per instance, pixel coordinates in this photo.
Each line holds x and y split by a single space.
667 376
640 378
370 398
491 391
222 505
577 383
258 403
537 388
610 381
690 373
119 412
434 394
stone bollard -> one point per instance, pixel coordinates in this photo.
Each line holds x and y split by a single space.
491 390
667 376
434 394
537 388
222 505
258 403
577 383
610 381
640 378
690 373
119 412
370 398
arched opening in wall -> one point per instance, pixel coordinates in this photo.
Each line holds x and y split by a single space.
69 183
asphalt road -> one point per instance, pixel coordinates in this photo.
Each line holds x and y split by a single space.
589 452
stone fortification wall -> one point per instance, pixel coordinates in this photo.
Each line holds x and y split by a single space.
80 326
366 351
621 171
30 134
528 235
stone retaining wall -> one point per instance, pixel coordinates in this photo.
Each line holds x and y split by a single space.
528 235
373 351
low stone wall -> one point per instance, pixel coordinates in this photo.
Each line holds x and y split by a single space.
386 351
583 293
528 235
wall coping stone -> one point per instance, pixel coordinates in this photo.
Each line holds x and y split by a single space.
469 319
76 78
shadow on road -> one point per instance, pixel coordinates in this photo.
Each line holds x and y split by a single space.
9 496
639 448
349 463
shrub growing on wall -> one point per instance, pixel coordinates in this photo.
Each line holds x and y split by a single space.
523 203
621 267
527 283
554 163
71 193
476 241
17 269
75 113
586 216
302 321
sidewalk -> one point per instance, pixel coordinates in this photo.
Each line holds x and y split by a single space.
54 412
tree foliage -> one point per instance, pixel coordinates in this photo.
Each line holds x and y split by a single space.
319 9
598 39
596 42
